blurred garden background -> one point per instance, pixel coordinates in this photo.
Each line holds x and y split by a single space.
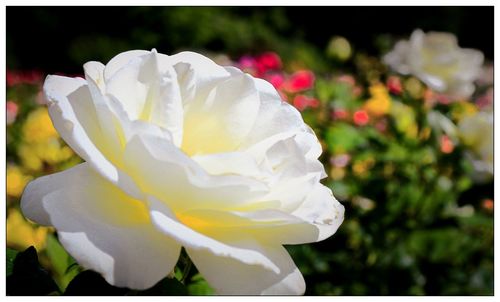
407 132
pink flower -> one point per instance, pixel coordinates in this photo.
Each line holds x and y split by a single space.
446 144
299 81
443 99
248 64
347 79
276 79
12 110
340 160
268 61
381 125
394 85
487 204
360 118
486 100
23 77
340 114
302 102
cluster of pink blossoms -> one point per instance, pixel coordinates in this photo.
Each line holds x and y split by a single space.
292 87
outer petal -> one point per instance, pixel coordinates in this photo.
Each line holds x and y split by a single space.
243 279
80 129
265 225
165 220
322 210
101 227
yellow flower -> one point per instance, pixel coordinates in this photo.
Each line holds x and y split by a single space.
22 234
339 48
405 119
34 155
463 109
380 101
361 167
41 142
337 173
414 88
425 133
38 127
29 157
16 181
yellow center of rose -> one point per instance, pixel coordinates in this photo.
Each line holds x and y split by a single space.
204 133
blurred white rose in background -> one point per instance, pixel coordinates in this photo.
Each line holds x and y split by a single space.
437 60
476 132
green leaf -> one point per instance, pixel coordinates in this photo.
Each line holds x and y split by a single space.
61 262
90 283
344 138
11 255
28 278
199 286
166 287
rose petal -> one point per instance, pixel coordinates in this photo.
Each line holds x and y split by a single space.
235 163
121 60
59 91
101 227
162 170
220 122
197 75
274 116
242 279
148 90
265 225
323 210
165 220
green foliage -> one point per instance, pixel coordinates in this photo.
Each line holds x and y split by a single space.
28 278
89 283
199 286
63 265
11 255
166 287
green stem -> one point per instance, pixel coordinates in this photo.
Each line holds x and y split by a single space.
187 268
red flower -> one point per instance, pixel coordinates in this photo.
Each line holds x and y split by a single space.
394 85
443 99
301 102
360 117
446 144
347 79
268 61
276 79
487 204
340 114
23 77
11 110
248 64
299 81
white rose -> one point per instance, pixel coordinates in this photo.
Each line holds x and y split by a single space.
476 132
437 60
180 151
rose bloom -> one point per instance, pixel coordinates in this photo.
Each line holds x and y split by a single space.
182 152
437 60
476 132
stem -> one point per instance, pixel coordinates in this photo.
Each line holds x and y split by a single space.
187 267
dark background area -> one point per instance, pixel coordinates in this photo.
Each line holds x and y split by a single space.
56 39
